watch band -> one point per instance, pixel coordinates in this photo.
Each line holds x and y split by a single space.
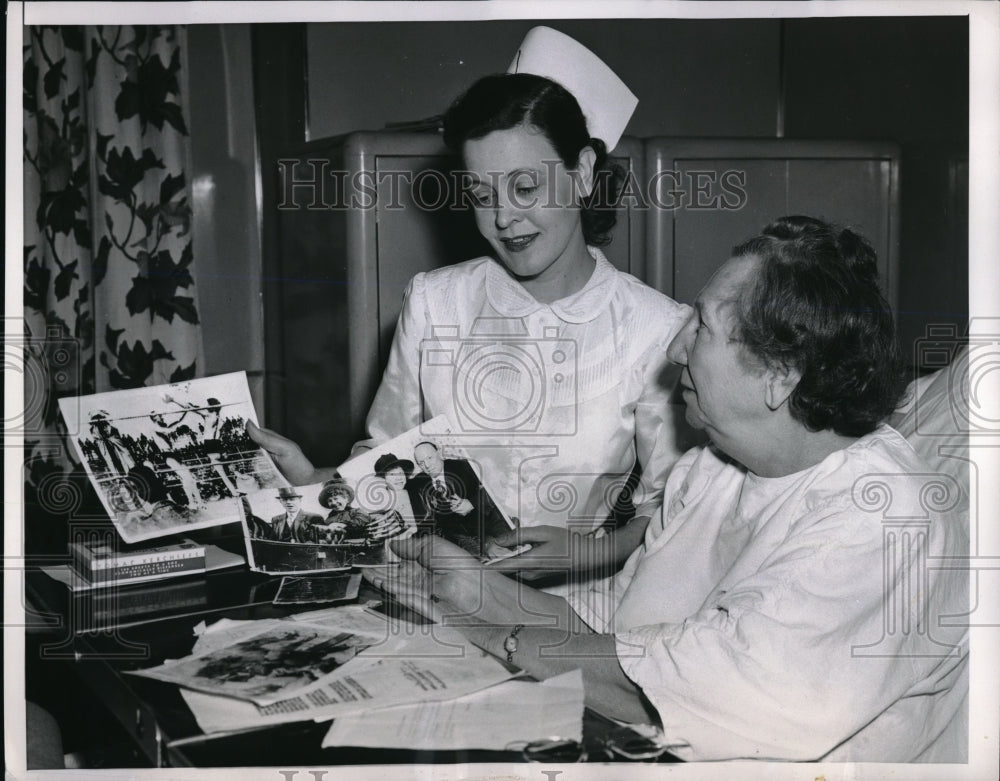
510 643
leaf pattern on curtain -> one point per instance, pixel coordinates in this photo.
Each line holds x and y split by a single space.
109 294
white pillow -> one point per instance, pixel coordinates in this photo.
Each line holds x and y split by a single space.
933 420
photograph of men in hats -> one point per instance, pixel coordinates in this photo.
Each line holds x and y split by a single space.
452 502
294 524
303 529
434 489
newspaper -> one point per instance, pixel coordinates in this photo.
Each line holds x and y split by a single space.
418 482
267 662
428 664
171 458
476 721
362 619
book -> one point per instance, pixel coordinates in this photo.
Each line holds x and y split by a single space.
99 562
103 609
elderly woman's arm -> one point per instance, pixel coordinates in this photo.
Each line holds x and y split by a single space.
445 583
547 652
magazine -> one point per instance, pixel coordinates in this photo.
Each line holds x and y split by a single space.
171 458
420 482
430 664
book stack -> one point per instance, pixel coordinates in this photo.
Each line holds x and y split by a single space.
102 564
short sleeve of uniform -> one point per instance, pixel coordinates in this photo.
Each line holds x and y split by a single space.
396 408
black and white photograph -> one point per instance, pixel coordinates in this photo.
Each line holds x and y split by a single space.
348 520
171 458
430 487
308 528
654 344
272 665
317 589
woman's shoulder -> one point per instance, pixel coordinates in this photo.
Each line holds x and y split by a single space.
874 470
650 317
464 273
450 289
648 301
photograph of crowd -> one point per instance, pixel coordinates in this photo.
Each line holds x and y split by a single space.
268 666
170 458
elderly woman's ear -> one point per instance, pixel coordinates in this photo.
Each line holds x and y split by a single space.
781 383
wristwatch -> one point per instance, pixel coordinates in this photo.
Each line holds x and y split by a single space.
510 643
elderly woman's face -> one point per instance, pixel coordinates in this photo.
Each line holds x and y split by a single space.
526 202
395 477
723 390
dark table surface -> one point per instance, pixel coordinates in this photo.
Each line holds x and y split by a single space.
143 625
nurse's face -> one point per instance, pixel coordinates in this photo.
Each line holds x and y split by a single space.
527 202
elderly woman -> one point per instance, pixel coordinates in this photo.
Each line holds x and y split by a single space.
555 380
755 620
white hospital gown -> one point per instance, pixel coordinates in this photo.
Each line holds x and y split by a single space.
753 616
554 402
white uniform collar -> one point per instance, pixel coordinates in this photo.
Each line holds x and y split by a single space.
510 299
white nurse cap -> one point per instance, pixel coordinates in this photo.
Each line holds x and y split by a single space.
606 102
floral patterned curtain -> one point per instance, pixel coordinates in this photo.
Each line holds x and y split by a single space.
109 296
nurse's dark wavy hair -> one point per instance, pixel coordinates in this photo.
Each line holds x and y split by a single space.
507 100
815 305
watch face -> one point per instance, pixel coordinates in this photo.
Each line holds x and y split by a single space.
510 642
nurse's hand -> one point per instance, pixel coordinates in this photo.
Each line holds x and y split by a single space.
292 462
549 553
